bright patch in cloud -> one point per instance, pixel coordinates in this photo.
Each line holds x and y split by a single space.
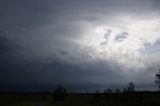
124 44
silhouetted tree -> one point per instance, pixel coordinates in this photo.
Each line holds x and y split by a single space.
59 93
117 90
109 91
124 90
97 97
157 81
131 87
97 91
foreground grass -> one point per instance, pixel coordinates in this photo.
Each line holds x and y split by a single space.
128 99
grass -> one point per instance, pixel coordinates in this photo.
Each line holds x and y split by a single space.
122 99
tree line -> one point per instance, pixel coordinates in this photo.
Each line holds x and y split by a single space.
60 91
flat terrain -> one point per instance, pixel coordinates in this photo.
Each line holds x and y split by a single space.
94 99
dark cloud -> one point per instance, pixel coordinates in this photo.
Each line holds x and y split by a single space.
3 45
39 43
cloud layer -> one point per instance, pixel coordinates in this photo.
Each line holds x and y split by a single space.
85 44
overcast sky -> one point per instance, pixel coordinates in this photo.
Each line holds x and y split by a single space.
80 44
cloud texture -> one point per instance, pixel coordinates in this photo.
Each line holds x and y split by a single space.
82 44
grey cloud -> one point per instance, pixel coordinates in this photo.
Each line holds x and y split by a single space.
106 37
121 36
151 48
39 48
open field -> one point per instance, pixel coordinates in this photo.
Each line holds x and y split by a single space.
89 99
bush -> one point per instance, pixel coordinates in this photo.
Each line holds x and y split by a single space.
59 93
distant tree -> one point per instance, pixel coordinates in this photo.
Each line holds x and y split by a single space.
157 81
59 93
97 96
131 87
97 91
117 90
108 91
124 90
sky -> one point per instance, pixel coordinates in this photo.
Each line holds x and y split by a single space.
83 45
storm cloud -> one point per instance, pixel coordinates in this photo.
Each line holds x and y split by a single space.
82 44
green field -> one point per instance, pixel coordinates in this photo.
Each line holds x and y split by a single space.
121 99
